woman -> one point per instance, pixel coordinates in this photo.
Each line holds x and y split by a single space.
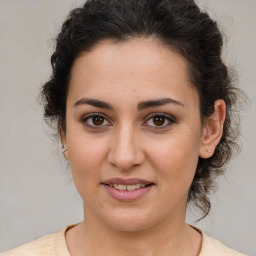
142 102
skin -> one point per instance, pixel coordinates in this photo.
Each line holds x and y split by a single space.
129 143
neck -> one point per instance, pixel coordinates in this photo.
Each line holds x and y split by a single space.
169 238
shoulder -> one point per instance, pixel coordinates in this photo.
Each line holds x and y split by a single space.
48 245
213 247
40 247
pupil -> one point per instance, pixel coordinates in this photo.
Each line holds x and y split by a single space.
159 120
98 120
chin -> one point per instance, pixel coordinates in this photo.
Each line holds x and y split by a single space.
130 221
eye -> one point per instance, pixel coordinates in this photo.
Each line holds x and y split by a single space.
95 121
159 121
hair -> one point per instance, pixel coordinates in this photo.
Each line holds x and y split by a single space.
178 24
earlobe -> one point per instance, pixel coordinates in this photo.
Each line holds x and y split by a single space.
213 129
64 148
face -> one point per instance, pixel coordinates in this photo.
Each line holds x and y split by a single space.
133 133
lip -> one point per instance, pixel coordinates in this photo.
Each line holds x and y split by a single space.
130 181
126 195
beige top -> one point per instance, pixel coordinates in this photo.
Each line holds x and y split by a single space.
55 245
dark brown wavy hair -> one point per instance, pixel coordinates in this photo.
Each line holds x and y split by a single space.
178 24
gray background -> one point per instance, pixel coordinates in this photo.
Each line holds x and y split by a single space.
37 195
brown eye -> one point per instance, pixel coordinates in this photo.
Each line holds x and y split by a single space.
98 120
159 120
95 121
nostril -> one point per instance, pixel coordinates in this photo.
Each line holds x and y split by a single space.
125 160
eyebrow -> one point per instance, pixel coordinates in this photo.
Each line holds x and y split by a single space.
157 103
93 102
142 105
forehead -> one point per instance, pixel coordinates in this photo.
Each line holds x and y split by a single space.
141 65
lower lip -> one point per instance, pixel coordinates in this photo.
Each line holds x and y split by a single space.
126 195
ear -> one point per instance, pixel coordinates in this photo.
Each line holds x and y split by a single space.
212 130
64 143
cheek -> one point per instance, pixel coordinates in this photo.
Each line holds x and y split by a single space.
85 151
86 156
176 160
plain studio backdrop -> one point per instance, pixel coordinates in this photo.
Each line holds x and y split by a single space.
37 195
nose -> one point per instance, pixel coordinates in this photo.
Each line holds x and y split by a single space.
125 151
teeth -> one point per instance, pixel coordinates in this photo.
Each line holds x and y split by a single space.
131 187
121 187
127 187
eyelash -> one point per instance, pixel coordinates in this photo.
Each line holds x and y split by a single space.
85 119
166 117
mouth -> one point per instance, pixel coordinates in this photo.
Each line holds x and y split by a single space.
127 189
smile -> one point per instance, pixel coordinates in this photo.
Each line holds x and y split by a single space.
127 187
127 190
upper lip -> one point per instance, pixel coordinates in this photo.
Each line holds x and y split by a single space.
130 181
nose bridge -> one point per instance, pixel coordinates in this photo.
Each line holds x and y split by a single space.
125 151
